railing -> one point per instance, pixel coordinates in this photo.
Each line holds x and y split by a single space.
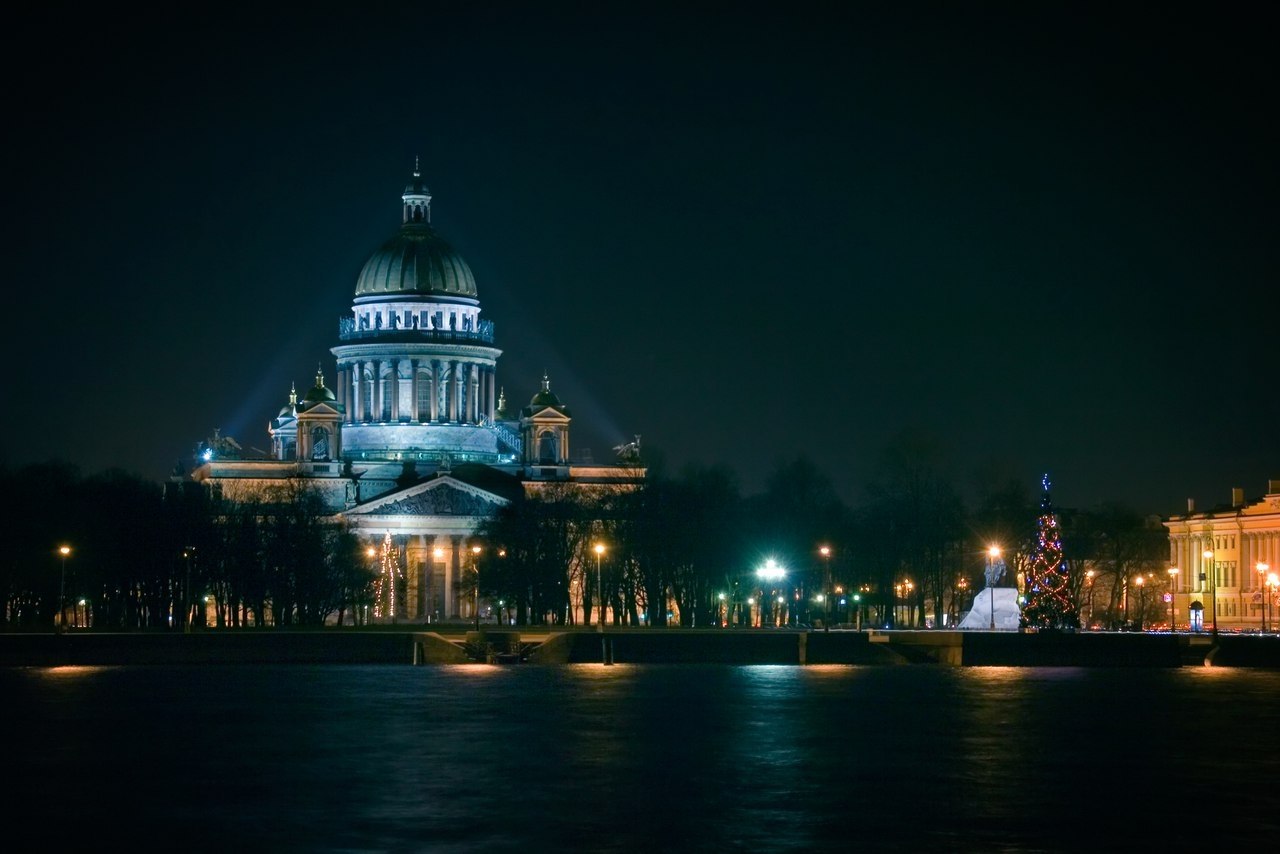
347 331
508 436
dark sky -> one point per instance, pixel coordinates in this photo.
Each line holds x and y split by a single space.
1038 236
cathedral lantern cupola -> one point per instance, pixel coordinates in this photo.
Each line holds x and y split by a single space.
544 430
417 198
319 425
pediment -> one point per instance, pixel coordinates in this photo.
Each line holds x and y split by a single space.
547 414
443 496
320 410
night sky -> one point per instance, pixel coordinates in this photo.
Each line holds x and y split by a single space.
1038 237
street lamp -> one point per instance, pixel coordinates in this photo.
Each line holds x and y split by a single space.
993 553
1173 595
598 548
907 601
1142 599
1088 578
825 551
1273 581
1262 578
475 579
771 572
186 591
62 588
1207 554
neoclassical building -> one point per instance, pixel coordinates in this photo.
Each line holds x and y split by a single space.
1225 558
414 438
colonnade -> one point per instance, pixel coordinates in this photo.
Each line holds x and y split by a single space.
377 390
433 567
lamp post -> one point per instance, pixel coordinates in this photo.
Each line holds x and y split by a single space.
1142 599
770 572
1173 596
993 552
475 579
1088 580
1262 589
598 548
187 553
62 588
1207 554
909 608
897 604
825 551
1272 583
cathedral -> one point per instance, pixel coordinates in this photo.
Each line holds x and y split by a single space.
414 446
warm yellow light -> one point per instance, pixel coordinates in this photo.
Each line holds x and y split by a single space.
439 553
370 551
1173 570
1273 580
826 550
1089 573
598 548
475 550
64 550
1207 555
751 600
1262 567
1139 581
994 551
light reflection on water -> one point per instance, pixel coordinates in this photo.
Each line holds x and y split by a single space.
674 757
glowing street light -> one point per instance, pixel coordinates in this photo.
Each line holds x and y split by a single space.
1207 554
1262 578
771 572
1142 599
993 554
598 548
825 551
1273 581
62 588
475 578
1088 578
1173 590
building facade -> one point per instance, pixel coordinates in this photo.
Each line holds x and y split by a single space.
414 443
1227 560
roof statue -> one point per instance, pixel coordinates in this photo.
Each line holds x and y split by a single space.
628 452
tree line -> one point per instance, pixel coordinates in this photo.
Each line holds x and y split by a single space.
681 548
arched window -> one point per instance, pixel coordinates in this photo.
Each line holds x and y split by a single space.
547 448
319 443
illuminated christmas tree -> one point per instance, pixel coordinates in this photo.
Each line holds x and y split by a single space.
384 601
1048 604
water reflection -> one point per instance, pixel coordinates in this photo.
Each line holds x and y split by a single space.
594 758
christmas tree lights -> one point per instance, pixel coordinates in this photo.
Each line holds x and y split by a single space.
1048 598
384 602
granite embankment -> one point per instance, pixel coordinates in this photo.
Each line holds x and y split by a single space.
640 646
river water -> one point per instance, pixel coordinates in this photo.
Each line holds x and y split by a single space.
476 758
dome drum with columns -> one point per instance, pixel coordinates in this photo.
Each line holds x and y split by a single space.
414 439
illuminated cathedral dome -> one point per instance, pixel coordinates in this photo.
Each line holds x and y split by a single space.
546 398
417 260
318 392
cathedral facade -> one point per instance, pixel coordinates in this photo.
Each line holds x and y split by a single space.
414 445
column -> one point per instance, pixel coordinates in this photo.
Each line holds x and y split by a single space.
413 390
473 393
489 399
452 577
435 389
393 380
453 391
